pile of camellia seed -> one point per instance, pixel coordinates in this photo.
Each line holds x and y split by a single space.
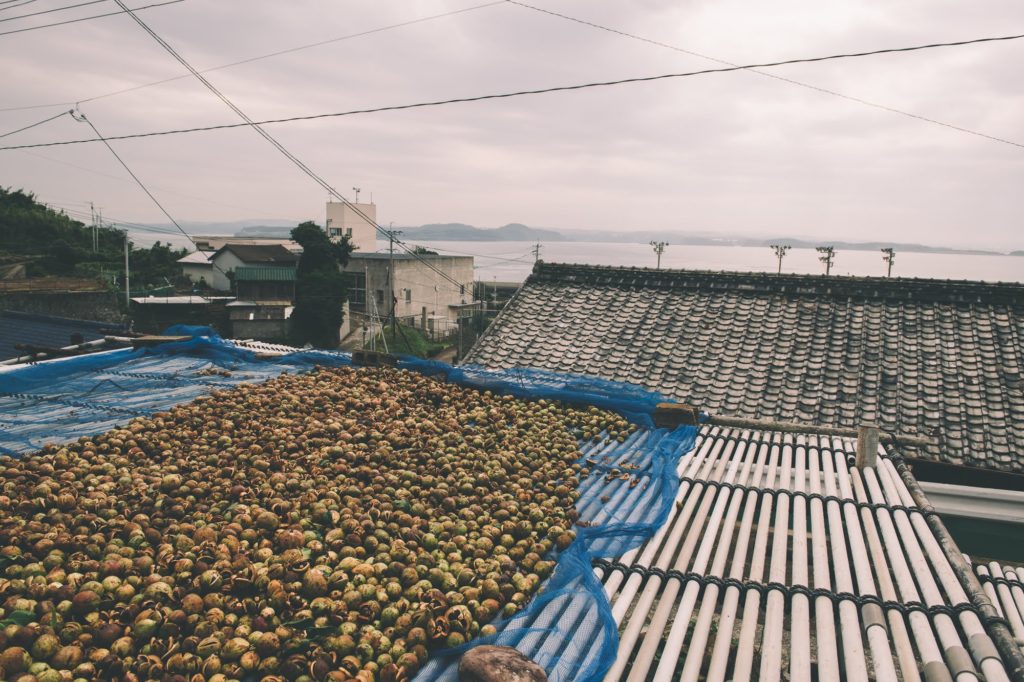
340 524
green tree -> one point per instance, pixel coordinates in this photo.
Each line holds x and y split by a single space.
320 290
55 244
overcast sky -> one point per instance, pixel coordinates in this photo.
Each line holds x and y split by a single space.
736 152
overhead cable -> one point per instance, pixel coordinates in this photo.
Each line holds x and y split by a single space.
277 145
94 16
10 6
792 81
38 123
539 91
82 118
54 9
268 55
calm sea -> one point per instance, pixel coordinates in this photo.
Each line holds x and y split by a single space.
512 261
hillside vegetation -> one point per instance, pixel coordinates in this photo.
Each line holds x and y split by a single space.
52 243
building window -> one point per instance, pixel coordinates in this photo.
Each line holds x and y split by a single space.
380 297
357 288
462 289
408 295
348 231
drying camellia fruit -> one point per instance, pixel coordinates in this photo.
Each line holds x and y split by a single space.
340 524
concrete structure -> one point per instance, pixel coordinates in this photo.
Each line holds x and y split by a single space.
153 314
265 302
72 297
343 221
425 294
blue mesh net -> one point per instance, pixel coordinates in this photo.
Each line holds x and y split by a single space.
567 628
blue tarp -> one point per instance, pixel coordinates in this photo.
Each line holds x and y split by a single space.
567 628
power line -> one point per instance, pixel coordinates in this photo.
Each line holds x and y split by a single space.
520 259
802 84
268 55
81 117
10 6
272 140
94 16
113 221
55 9
539 91
38 123
7 2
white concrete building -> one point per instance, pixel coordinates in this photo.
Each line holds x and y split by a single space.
431 291
343 221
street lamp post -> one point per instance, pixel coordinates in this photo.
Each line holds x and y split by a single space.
889 256
780 253
828 254
659 248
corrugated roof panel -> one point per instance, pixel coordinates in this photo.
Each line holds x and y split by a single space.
257 273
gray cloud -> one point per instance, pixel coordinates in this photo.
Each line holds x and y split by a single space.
735 152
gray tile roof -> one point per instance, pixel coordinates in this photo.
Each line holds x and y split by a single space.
260 253
929 357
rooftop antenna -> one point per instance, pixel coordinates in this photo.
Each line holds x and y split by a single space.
659 248
357 191
780 253
889 256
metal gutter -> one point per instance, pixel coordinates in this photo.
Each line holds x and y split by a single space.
974 502
995 624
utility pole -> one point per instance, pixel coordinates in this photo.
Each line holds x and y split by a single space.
391 271
536 251
92 212
780 253
127 278
828 255
659 248
889 256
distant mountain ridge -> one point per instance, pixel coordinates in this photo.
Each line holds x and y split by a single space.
513 232
457 232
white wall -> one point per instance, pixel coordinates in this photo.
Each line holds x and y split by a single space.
224 262
198 271
417 285
341 219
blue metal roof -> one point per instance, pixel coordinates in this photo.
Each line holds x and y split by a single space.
44 330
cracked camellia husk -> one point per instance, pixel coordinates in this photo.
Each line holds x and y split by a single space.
333 525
